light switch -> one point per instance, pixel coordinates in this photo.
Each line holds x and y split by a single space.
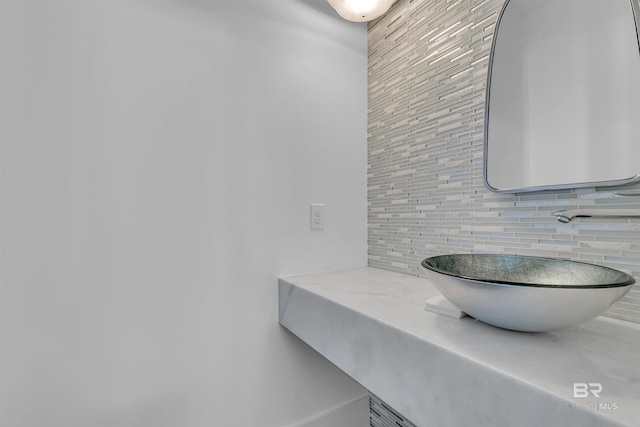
317 216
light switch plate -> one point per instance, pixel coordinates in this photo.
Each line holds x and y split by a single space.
317 216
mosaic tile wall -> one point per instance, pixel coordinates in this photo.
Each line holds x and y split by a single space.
427 74
381 415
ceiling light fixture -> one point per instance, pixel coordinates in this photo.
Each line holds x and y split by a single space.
361 10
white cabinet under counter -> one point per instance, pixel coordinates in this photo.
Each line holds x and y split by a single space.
441 371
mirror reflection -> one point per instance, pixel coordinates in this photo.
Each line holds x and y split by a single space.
563 95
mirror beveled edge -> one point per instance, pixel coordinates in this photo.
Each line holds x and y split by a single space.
635 6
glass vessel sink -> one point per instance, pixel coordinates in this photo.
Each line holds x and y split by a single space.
526 293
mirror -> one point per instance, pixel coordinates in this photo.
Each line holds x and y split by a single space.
563 96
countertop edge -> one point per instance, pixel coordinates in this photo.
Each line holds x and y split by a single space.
341 332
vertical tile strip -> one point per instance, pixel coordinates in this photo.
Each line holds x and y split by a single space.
381 415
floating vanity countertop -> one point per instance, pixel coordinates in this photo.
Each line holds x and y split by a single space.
441 371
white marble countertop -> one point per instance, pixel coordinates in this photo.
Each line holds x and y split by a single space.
441 371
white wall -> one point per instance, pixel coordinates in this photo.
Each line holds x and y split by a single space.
157 162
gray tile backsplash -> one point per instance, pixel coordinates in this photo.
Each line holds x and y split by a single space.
382 415
427 76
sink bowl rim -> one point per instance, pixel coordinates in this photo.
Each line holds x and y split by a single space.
624 278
